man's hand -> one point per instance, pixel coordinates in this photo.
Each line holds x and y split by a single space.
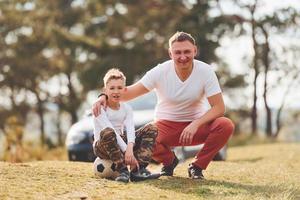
187 135
101 101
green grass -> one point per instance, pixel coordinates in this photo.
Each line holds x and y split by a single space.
269 171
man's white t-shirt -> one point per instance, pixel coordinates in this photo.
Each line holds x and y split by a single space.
116 119
177 100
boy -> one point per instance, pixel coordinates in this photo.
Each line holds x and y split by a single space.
111 142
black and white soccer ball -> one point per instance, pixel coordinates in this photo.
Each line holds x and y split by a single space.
105 168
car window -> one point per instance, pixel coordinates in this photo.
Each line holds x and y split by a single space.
144 102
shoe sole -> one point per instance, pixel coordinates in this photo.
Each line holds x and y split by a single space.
143 178
122 180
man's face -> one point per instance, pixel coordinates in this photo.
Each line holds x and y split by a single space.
183 53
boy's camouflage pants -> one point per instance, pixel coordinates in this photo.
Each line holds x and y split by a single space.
108 148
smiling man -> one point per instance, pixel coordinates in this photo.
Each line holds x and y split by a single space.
182 85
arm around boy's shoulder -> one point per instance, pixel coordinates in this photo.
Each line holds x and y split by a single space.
102 114
101 121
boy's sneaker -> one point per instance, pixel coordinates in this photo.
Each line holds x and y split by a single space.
124 176
144 171
142 174
169 170
195 172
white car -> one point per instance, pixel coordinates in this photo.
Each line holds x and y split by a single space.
80 136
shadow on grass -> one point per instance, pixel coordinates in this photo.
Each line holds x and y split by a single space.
214 188
252 160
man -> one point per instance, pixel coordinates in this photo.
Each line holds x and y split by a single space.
182 84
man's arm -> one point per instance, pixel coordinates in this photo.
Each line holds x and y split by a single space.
134 91
217 110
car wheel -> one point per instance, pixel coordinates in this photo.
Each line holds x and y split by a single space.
91 156
71 156
219 157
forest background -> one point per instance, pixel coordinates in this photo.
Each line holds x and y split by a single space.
53 55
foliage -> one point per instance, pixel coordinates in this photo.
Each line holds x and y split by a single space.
55 52
14 130
265 31
72 44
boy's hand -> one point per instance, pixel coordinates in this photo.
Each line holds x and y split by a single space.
135 166
129 157
101 101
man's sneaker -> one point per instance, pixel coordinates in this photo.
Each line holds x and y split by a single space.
124 176
195 172
169 170
143 174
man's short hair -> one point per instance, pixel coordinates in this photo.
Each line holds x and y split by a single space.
113 74
180 37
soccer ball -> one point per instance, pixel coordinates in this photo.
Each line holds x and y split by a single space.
105 168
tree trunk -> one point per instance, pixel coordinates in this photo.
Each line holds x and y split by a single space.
254 107
278 116
268 110
59 102
266 62
256 72
278 121
59 132
73 100
40 112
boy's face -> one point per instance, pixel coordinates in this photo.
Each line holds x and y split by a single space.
114 89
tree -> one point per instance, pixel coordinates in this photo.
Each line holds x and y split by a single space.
291 76
130 40
25 64
268 25
263 27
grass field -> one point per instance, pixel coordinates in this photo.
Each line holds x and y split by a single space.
269 171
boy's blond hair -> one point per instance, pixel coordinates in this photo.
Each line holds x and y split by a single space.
115 74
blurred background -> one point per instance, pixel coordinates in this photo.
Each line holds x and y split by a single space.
53 55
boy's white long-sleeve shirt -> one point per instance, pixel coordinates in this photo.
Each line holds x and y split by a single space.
117 120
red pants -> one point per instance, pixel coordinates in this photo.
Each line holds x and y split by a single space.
214 135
